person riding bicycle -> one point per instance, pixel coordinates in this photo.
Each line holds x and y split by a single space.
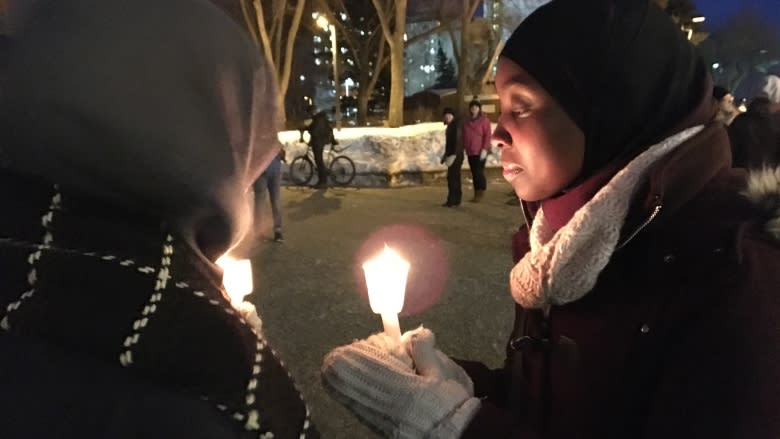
321 134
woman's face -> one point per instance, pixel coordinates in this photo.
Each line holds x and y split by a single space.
542 149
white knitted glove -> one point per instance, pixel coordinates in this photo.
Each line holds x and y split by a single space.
483 154
376 379
449 160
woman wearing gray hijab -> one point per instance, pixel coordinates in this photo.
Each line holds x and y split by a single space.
132 133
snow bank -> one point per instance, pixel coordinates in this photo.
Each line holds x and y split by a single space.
387 156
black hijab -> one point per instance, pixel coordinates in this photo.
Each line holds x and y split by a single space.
621 69
162 107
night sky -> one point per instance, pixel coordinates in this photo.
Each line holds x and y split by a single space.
718 11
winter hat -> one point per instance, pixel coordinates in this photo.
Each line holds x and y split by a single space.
719 92
475 102
621 70
448 110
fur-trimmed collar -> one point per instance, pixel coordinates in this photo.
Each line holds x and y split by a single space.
763 189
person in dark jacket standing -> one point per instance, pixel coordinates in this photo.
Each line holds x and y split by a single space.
131 139
453 158
476 142
646 278
321 134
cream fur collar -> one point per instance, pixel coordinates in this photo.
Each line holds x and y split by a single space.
763 189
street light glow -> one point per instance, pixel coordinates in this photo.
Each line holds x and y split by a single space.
698 19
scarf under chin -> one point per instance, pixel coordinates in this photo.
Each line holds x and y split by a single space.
563 266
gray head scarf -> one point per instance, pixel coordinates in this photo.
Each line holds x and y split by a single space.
160 106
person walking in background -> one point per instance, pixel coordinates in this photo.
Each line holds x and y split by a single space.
321 134
726 109
270 182
453 158
476 142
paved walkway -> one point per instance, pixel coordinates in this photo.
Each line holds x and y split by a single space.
308 289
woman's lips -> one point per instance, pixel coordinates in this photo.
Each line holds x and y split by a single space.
511 171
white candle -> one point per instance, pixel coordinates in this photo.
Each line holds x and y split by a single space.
386 280
237 277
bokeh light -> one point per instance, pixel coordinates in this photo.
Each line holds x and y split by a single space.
429 266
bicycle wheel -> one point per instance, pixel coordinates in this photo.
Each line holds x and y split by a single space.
342 170
301 170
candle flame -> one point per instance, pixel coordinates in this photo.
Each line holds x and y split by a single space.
237 277
386 280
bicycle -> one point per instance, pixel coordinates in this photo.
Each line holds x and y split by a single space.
341 169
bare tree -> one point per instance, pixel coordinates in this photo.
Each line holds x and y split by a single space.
366 42
392 18
274 27
475 51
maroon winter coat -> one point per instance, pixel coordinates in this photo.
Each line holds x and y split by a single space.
476 134
679 338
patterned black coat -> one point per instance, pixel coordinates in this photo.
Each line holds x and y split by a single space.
113 327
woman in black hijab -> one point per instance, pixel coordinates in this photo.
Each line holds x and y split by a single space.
132 132
645 283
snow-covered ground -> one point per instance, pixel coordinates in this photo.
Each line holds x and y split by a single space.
386 156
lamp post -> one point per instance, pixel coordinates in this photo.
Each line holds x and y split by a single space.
323 23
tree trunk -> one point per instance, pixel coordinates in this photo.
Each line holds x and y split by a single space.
362 103
463 59
395 113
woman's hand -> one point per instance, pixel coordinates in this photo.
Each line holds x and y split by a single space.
405 389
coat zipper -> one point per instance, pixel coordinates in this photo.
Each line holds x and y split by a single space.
645 223
546 321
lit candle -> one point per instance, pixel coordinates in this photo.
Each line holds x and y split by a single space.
237 277
237 281
386 280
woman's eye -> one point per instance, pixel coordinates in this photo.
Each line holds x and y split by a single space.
519 110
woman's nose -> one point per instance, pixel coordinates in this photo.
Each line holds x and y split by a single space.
500 138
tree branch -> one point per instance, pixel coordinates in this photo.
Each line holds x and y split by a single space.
288 54
380 12
248 21
264 34
492 62
428 33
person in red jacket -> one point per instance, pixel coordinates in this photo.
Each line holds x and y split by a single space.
476 143
646 278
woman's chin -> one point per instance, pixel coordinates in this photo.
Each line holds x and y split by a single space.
527 194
